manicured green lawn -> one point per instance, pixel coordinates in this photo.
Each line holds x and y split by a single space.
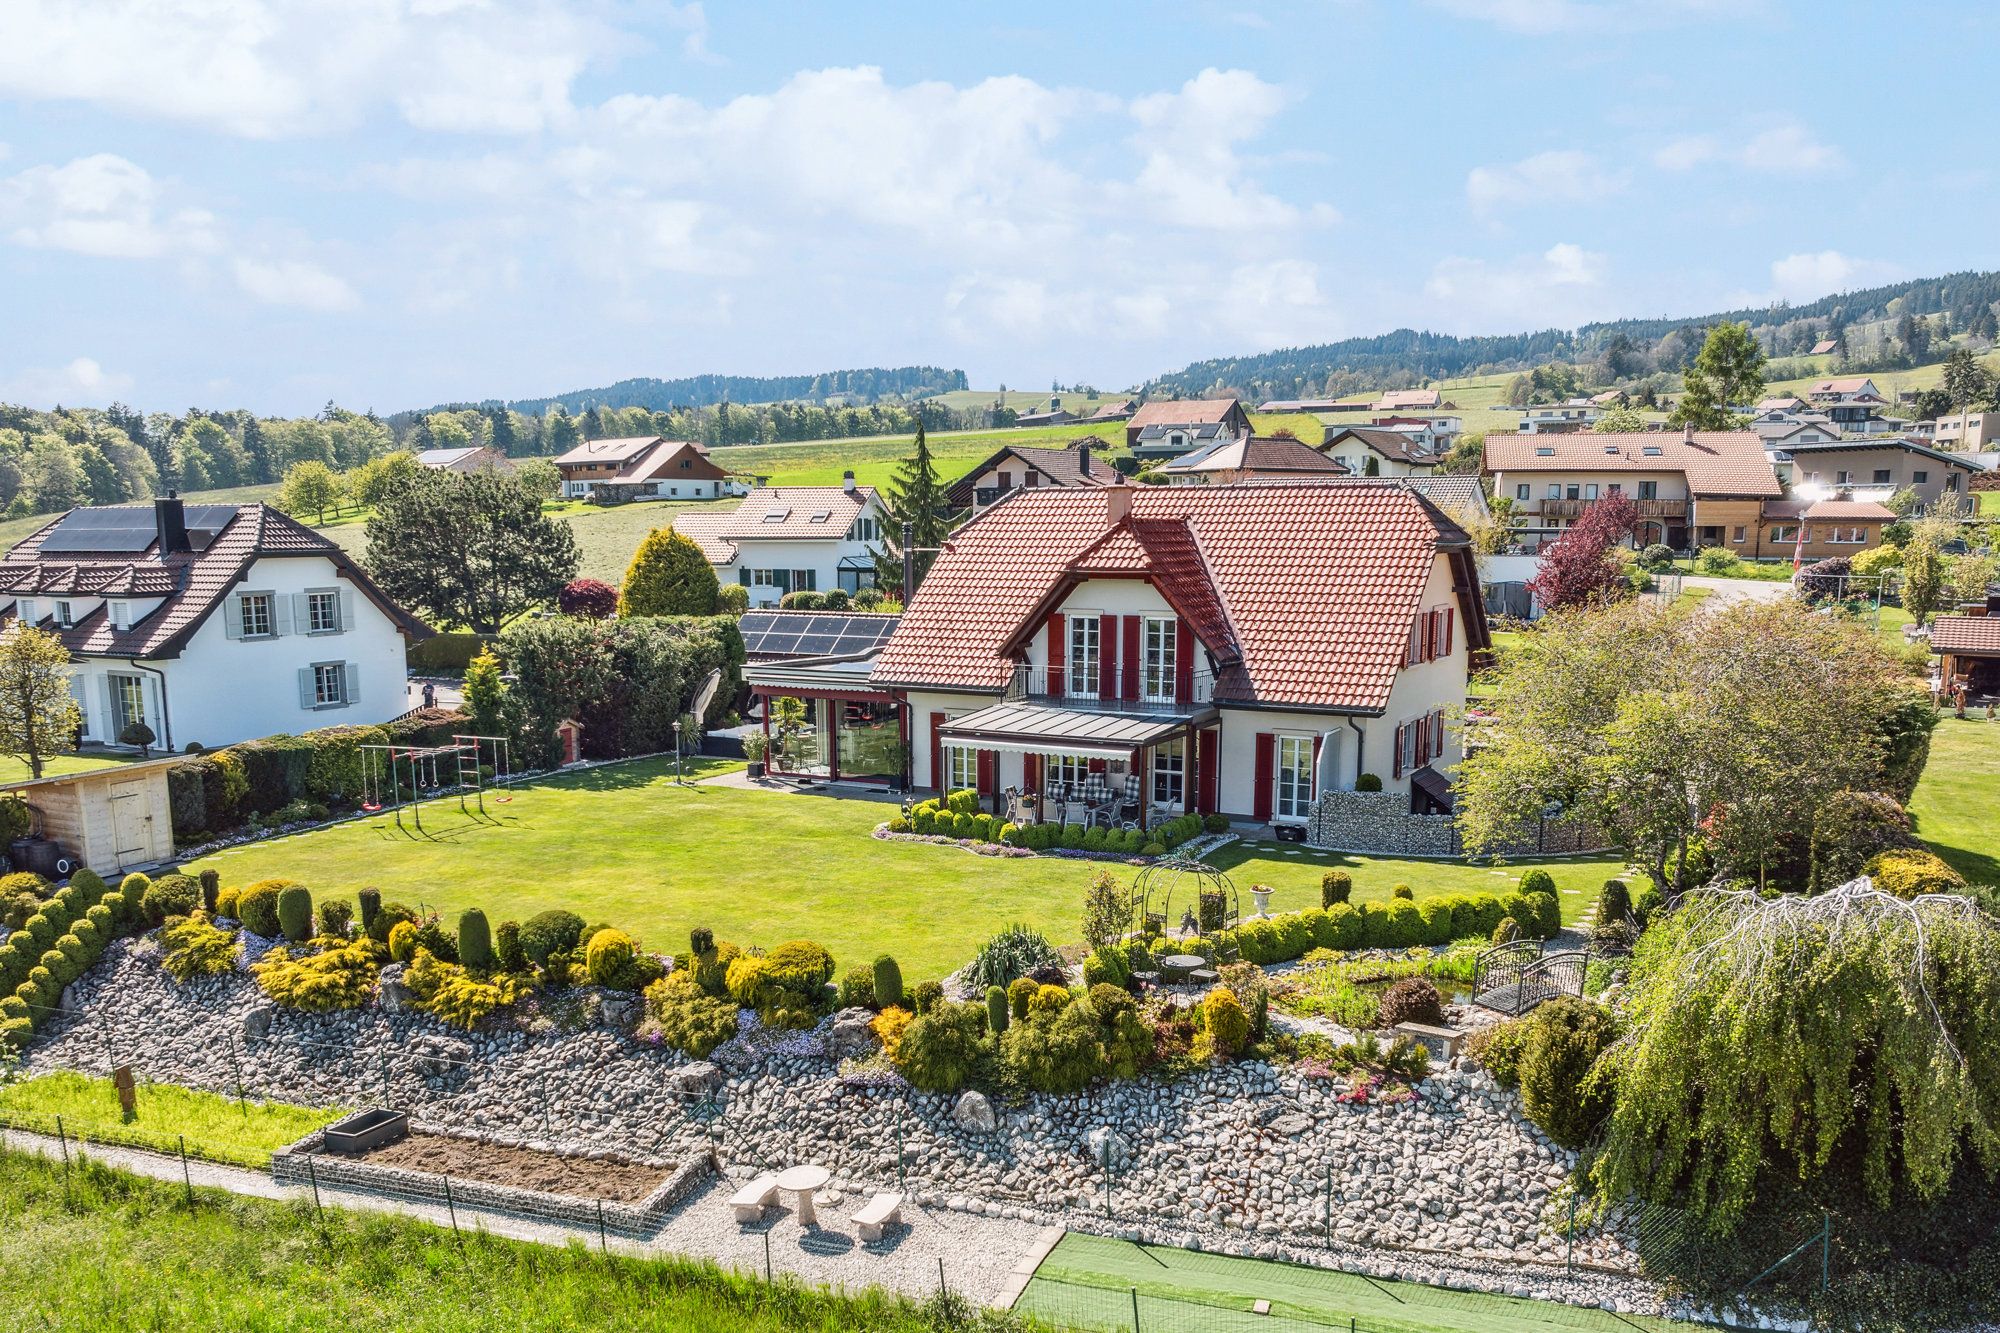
1091 1281
623 845
140 1257
219 1128
1955 801
1295 873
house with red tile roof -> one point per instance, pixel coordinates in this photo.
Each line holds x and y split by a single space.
793 539
1169 414
1250 458
1969 649
645 467
1015 467
1697 488
1235 649
209 623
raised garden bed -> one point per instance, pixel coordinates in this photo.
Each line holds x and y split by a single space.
365 1131
522 1168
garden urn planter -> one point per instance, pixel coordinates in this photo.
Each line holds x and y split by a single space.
1262 893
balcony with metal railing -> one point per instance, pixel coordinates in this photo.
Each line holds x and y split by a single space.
1158 691
1576 508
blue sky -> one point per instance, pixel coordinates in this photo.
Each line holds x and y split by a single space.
273 203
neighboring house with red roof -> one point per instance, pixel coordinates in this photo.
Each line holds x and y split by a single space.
645 467
1015 467
1970 649
210 623
1383 451
1853 389
1167 414
1232 649
1408 400
793 539
1698 488
1250 458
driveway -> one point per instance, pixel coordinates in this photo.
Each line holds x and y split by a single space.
1722 592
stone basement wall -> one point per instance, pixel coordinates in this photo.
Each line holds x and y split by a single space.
289 1166
1380 823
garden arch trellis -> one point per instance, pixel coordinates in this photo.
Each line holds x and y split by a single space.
1189 881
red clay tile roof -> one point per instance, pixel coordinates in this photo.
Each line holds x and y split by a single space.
1059 467
1256 453
1400 446
1715 463
1407 398
193 583
1182 412
776 513
1164 550
1965 634
1317 583
1866 511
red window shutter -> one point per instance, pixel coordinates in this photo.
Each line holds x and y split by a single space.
1107 657
1430 637
1131 657
1031 773
1058 653
988 771
1422 749
1450 612
1267 771
1183 662
937 751
1397 770
1437 733
1095 766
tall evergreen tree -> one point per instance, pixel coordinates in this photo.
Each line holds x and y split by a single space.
915 497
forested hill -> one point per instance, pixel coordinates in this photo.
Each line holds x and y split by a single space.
1966 300
863 386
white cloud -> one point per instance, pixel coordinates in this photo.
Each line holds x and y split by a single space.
294 282
1192 174
1807 277
1561 287
101 205
81 383
1562 176
266 68
1789 149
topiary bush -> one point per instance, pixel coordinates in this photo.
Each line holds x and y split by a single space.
1368 782
608 958
1507 931
90 887
336 918
257 907
1224 1024
1411 1000
997 1011
371 903
211 888
1402 925
941 1049
1335 886
803 968
1404 892
1564 1090
553 931
131 892
169 895
507 950
403 941
857 989
194 948
295 912
1614 902
475 940
888 982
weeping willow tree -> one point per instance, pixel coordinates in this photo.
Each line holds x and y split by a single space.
1849 1039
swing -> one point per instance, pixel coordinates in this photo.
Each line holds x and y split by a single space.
504 795
371 786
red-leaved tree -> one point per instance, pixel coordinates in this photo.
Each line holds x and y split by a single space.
593 599
1579 569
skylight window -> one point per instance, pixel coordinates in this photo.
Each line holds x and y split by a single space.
1545 451
1652 451
820 516
777 515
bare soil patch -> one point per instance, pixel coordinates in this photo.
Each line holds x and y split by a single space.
523 1168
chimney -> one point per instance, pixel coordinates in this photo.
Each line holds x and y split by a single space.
847 481
1687 433
1117 504
1083 457
170 523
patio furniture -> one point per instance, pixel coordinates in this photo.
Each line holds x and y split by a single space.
1129 806
1178 967
802 1181
1010 807
1146 980
750 1202
1204 976
881 1211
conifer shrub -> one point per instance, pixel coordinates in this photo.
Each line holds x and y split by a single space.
1335 886
257 907
475 940
997 1010
888 982
940 1050
295 912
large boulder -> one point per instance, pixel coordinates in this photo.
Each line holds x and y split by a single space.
852 1034
974 1113
694 1080
441 1057
1105 1148
391 993
257 1023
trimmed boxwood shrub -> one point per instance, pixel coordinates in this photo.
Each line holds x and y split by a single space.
475 939
888 989
295 912
88 886
507 950
257 907
1403 925
553 931
131 891
41 930
1335 886
607 959
1342 929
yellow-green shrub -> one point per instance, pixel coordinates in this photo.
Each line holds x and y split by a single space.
1225 1027
341 978
403 941
1913 871
197 949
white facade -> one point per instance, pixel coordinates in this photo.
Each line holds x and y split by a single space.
770 568
231 684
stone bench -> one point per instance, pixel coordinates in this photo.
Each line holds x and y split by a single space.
883 1210
750 1202
1441 1042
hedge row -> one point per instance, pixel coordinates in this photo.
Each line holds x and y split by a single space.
218 790
63 935
957 815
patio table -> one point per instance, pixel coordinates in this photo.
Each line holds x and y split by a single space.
802 1181
1181 966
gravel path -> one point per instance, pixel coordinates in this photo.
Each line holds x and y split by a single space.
978 1253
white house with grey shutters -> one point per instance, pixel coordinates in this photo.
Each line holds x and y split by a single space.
209 623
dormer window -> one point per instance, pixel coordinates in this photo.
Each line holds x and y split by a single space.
64 618
121 615
27 611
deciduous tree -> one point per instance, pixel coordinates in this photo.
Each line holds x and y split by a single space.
1579 570
668 576
471 549
39 716
310 488
1729 369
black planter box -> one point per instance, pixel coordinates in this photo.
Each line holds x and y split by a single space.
365 1130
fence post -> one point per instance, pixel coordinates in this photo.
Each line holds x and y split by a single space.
187 1180
1107 1180
385 1077
1135 1310
1569 1256
1329 1204
603 1245
62 1141
1825 1250
899 1147
312 1174
451 1206
236 1067
767 1256
942 1289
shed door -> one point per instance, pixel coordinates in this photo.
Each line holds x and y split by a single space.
128 822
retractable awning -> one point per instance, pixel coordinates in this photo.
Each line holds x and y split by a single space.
1023 728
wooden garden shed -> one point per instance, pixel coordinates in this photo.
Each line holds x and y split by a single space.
112 819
